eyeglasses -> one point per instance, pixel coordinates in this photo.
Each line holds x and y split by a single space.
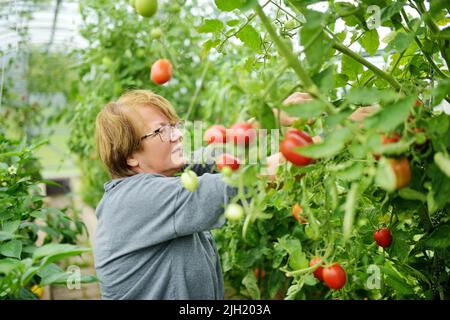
166 132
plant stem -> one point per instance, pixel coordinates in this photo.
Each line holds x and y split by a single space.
382 74
292 60
197 91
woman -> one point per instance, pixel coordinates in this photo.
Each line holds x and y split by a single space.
153 239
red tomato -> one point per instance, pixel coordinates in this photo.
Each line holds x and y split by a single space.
288 145
418 103
402 171
216 133
242 133
386 139
334 276
383 237
395 137
296 211
259 273
161 71
227 160
318 273
300 133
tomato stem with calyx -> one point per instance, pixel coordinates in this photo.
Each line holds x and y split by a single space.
292 60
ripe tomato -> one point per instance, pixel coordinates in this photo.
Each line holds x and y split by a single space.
189 180
318 273
296 210
216 133
259 273
161 71
386 139
146 8
402 172
234 212
418 103
227 160
292 141
383 237
300 133
334 276
242 133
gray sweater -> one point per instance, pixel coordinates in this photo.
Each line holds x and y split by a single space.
153 239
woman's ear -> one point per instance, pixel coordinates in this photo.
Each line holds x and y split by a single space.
132 162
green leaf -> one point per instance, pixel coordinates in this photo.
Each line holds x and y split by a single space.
233 22
306 110
395 280
366 96
251 284
443 162
330 146
370 41
11 226
400 42
11 249
350 211
351 68
410 194
7 265
250 37
385 176
297 259
58 251
440 238
208 45
324 80
230 5
211 25
348 171
441 91
390 116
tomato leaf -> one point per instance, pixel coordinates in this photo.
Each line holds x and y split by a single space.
410 194
211 25
390 116
250 37
370 41
350 210
251 284
350 68
305 110
330 146
440 238
443 162
385 176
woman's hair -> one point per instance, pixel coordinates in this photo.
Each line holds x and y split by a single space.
117 134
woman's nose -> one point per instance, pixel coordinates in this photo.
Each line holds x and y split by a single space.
176 134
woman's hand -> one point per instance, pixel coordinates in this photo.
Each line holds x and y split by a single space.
273 162
295 98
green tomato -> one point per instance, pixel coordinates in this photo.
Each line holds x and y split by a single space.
146 8
234 212
174 8
156 33
107 62
226 171
189 180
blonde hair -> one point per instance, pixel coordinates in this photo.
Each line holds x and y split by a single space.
117 134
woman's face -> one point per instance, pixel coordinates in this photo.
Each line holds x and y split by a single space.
161 153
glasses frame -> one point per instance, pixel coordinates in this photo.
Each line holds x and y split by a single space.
158 131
